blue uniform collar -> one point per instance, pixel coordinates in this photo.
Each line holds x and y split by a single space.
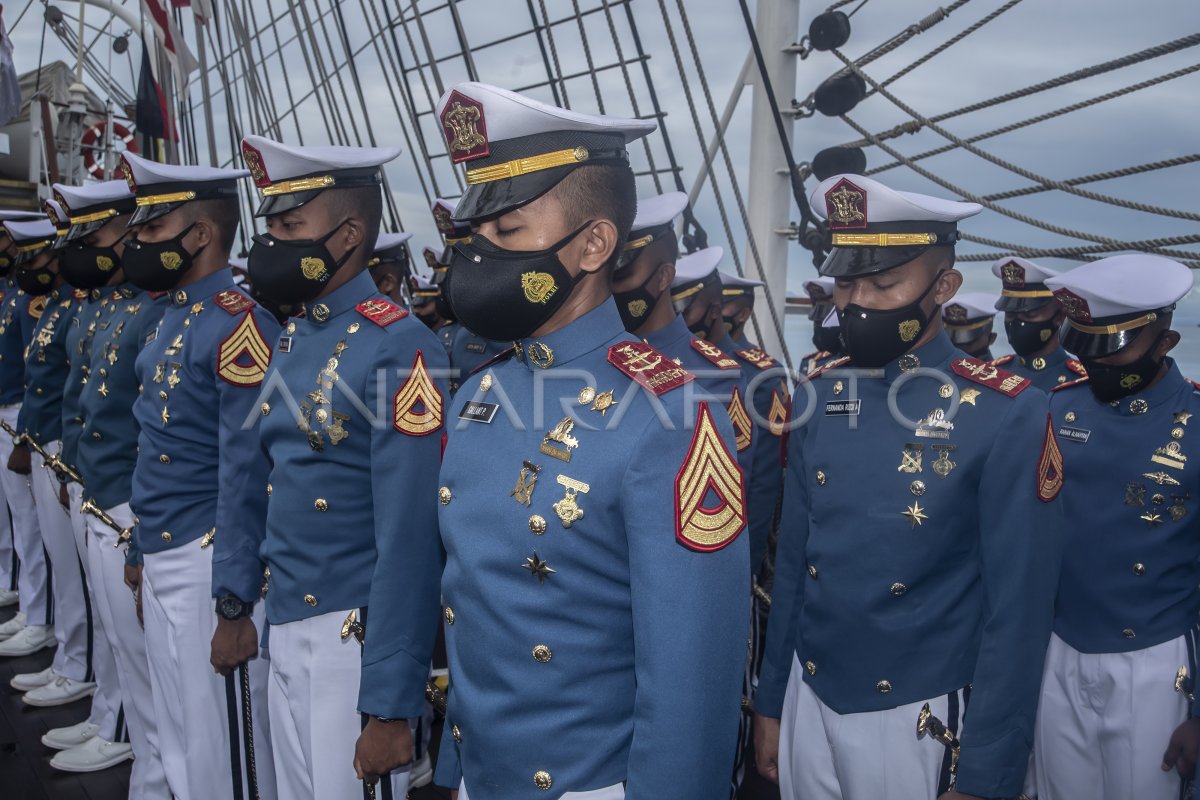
724 343
594 329
1056 359
342 299
670 337
1163 392
204 288
742 344
934 353
126 290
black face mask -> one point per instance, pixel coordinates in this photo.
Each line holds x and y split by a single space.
505 295
291 271
1110 383
873 337
36 282
1026 338
636 303
88 267
430 318
827 339
157 266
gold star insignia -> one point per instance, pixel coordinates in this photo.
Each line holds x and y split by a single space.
103 390
197 308
1152 519
915 514
537 567
166 415
968 396
1182 417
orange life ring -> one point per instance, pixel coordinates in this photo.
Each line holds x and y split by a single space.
93 138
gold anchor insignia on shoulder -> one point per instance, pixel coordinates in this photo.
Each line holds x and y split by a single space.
561 435
568 509
1170 455
910 459
943 466
526 483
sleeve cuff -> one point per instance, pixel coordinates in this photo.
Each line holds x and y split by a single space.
768 700
393 686
996 769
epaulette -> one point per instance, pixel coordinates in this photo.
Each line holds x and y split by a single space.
1069 384
503 355
648 367
819 371
1002 360
78 294
714 354
381 312
1195 385
989 375
233 301
37 306
1077 367
763 361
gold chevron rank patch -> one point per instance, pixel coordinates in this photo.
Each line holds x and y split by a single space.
417 407
710 495
243 357
778 414
1050 466
740 419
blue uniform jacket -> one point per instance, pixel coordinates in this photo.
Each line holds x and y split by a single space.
354 404
46 367
17 321
1046 372
767 385
109 441
596 607
918 552
1131 563
79 348
469 351
200 469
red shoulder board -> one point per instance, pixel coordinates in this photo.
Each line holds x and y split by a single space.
1002 360
381 312
78 294
760 359
990 375
1077 367
1069 384
816 373
714 354
1197 385
233 301
647 366
1050 466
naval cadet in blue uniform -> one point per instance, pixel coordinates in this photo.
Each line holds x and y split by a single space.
351 418
826 336
597 586
390 267
968 320
918 552
1118 716
1032 322
198 483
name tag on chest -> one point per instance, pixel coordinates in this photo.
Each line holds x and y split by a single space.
1078 435
285 344
475 347
843 408
150 337
478 412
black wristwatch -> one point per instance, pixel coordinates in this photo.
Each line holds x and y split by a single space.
231 607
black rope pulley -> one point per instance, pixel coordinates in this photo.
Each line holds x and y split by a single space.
839 94
829 31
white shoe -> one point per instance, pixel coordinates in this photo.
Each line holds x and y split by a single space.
13 626
32 680
92 756
28 640
59 693
8 597
70 736
421 773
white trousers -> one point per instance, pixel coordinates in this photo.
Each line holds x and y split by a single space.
1104 722
875 755
195 708
117 609
313 697
72 624
106 702
32 586
608 793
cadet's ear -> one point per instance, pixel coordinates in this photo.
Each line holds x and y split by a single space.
203 232
599 242
1166 344
991 340
949 281
387 284
355 232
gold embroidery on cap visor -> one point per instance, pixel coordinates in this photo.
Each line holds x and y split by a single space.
1119 327
524 166
158 199
883 239
299 185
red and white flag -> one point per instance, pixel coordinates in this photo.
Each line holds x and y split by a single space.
201 8
169 38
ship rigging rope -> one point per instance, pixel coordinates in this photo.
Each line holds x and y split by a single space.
913 127
1102 176
612 30
1008 165
1159 246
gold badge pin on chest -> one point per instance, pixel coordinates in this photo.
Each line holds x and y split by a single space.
943 466
558 442
526 483
568 509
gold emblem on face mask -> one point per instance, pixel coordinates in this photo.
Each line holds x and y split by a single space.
909 330
539 286
312 268
171 260
1046 334
637 308
104 263
1130 381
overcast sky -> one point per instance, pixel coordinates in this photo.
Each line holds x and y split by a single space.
1034 41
